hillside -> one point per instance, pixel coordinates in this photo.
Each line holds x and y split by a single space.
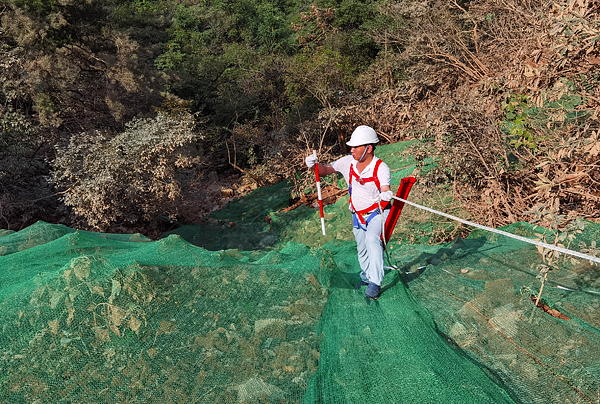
161 242
114 318
118 115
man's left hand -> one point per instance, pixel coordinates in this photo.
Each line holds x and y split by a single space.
386 196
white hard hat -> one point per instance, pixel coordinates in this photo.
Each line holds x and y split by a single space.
363 135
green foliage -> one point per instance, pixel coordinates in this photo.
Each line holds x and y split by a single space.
47 110
205 29
517 122
42 6
322 74
126 177
266 24
16 131
562 105
530 126
150 6
357 21
145 21
216 46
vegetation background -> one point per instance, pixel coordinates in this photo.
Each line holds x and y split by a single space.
129 115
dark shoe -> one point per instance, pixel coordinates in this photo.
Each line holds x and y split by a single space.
373 291
361 284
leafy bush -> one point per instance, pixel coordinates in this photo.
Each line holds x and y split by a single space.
517 122
322 74
126 177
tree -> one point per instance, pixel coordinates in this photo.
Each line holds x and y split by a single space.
76 70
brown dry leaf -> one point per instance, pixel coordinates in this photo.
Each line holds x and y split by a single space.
134 324
55 298
201 376
71 315
594 149
571 177
206 342
115 329
152 352
115 291
313 281
54 326
166 327
242 277
70 310
117 315
99 290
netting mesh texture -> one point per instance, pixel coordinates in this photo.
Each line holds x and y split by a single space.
108 321
267 312
481 292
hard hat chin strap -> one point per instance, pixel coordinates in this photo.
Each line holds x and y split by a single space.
360 160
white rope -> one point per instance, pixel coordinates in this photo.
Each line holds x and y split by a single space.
524 239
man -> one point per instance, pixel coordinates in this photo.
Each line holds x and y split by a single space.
368 181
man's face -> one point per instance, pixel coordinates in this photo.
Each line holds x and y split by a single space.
357 151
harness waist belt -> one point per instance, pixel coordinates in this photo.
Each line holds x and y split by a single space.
385 206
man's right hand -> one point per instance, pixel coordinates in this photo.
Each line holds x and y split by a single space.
311 160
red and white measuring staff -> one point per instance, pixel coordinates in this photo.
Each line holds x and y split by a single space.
319 192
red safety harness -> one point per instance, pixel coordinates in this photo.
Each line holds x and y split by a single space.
363 181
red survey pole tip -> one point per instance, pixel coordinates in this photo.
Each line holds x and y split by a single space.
319 193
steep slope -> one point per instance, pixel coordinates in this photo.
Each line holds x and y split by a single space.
104 318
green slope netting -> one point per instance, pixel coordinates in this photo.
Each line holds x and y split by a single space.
271 315
480 291
88 318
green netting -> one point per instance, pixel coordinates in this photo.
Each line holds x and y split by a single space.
266 312
241 223
480 292
389 350
89 318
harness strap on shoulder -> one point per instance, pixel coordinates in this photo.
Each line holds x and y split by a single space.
353 175
362 181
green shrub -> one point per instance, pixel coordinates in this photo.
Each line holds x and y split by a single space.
125 177
517 122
